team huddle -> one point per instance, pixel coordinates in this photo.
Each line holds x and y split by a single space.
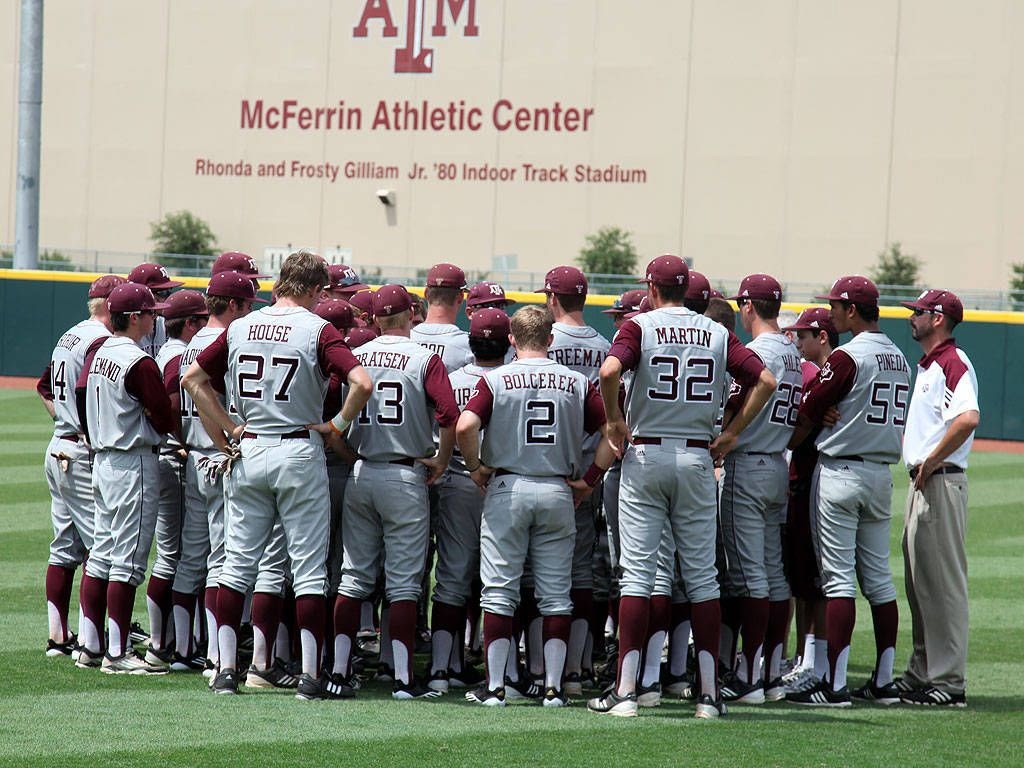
308 465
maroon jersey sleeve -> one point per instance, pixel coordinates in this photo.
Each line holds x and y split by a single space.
439 391
214 359
333 354
833 382
144 383
171 372
482 401
626 345
43 386
593 411
742 362
332 400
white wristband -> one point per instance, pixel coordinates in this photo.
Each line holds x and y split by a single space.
339 424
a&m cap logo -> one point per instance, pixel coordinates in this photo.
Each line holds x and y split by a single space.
495 289
414 57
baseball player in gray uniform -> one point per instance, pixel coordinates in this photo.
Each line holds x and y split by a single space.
536 412
438 333
386 512
125 411
754 497
186 315
229 296
458 525
154 277
580 348
343 282
68 464
278 360
868 381
678 361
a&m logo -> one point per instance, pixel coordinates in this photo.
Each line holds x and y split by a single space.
414 57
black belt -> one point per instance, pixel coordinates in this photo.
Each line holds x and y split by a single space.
759 453
657 441
407 462
298 434
74 438
948 469
846 458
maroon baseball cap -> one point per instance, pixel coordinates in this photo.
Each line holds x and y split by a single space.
627 302
759 286
446 275
489 323
390 300
486 293
235 261
133 297
667 270
699 287
102 286
356 337
185 304
813 319
363 301
716 294
645 306
344 278
943 302
567 281
153 276
233 285
855 289
337 312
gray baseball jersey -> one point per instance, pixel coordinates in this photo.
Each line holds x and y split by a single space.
464 381
581 349
192 429
116 421
682 360
538 429
770 430
154 342
65 366
449 342
872 375
172 349
397 422
278 385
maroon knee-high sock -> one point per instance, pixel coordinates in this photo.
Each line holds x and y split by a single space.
840 618
403 631
451 620
120 599
754 611
94 606
159 591
555 628
706 625
496 628
309 616
187 602
775 635
59 581
230 604
634 614
347 612
886 621
266 615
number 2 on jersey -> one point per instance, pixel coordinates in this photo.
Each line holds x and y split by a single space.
249 380
700 374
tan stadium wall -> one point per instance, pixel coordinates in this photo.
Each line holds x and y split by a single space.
791 137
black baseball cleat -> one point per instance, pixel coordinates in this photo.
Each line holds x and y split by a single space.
735 690
821 695
523 689
309 688
226 682
489 697
87 660
879 694
468 677
137 635
678 685
610 703
196 663
904 686
276 676
327 686
933 697
411 691
67 648
385 673
709 709
554 698
159 656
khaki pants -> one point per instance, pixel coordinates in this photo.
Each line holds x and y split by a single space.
935 562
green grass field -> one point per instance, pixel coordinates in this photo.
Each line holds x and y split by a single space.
54 714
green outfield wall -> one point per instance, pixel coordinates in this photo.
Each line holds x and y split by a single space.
37 307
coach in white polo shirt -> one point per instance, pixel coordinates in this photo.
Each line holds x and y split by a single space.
940 430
